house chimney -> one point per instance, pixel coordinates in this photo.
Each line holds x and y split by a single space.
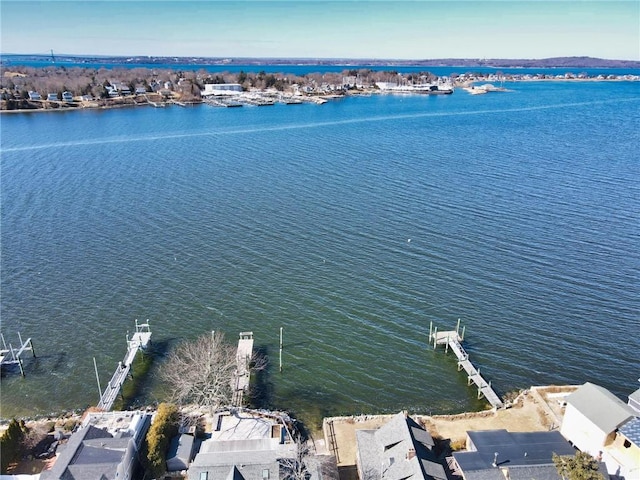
495 460
411 453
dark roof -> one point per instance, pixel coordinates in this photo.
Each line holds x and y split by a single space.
72 449
539 472
493 474
179 454
513 449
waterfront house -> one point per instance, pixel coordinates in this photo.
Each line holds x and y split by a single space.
180 452
599 423
249 445
504 455
117 89
211 89
634 401
243 445
107 446
34 95
52 97
112 91
67 96
399 450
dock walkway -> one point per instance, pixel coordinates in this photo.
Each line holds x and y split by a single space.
242 375
452 340
140 341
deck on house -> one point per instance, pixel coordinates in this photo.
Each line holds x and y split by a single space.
138 342
453 340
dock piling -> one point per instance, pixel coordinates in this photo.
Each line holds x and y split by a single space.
15 357
281 349
452 340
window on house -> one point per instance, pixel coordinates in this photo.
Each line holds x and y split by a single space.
204 475
265 474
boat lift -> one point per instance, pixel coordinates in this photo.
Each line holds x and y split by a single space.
13 356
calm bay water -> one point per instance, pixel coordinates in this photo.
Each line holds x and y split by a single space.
353 225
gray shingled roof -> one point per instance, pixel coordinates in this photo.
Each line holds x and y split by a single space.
398 450
537 472
74 444
493 474
600 406
179 454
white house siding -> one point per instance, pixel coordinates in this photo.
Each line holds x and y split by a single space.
580 431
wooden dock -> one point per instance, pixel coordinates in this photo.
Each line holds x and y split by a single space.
453 340
13 356
242 375
139 341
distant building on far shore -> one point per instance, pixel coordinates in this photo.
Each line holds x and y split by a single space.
221 89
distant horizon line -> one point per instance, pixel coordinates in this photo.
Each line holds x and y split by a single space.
309 58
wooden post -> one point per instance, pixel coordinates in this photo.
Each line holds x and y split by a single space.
280 349
446 347
430 330
435 337
462 336
458 327
95 366
32 349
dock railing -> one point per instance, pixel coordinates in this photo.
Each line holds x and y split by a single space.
453 340
138 342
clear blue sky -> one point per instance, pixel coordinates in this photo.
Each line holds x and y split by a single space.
320 29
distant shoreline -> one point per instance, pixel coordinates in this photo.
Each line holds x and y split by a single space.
130 102
582 62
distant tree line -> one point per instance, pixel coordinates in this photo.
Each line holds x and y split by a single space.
17 82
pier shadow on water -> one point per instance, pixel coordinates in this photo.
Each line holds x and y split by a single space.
262 388
135 389
37 366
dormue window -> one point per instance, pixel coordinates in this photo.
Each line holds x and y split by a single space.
265 474
204 475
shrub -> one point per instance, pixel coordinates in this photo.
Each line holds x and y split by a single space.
11 444
163 429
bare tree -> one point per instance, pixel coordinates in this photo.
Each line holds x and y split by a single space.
296 468
200 372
